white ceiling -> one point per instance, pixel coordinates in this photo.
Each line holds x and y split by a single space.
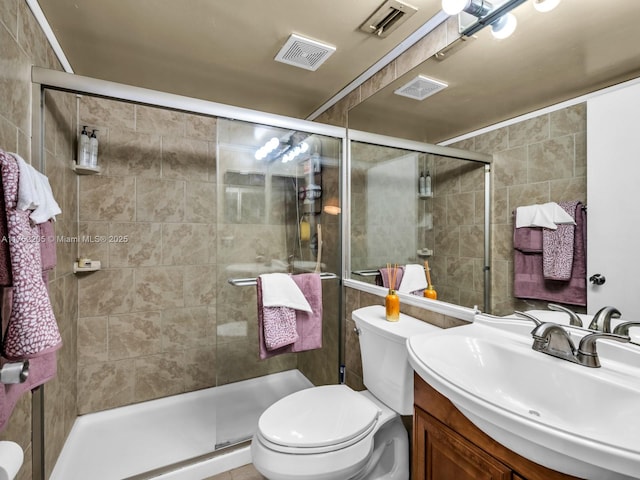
223 50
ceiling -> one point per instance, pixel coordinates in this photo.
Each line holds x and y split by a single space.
223 51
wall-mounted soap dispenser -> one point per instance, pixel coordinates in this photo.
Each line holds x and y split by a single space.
84 154
93 149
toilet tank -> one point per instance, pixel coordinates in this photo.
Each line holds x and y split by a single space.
385 364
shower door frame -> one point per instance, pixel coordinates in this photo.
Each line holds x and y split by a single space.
43 78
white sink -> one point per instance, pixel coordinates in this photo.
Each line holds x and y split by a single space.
570 418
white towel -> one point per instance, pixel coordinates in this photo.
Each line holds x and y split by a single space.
413 279
279 290
34 193
547 215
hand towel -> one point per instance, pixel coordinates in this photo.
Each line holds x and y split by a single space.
279 325
34 193
32 328
308 324
279 290
548 215
382 279
414 278
5 260
528 239
557 247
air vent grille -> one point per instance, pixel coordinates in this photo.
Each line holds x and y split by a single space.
387 18
304 53
420 88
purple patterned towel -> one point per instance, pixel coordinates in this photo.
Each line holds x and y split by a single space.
279 324
557 247
32 329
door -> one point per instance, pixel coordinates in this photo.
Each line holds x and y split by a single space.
613 181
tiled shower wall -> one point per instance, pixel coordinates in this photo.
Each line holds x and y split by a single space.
23 45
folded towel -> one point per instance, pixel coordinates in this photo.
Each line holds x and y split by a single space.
279 325
279 290
528 239
34 193
382 279
548 215
32 330
414 279
557 247
308 324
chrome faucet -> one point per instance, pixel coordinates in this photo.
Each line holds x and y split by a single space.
528 316
602 319
552 339
574 319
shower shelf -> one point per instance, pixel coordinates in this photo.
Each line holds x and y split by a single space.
425 195
85 169
93 268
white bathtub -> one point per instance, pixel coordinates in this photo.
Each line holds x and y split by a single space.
127 441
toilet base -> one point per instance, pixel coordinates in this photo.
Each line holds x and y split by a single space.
386 458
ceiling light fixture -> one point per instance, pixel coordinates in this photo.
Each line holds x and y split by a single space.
504 26
545 5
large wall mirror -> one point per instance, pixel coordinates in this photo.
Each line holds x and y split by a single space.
551 59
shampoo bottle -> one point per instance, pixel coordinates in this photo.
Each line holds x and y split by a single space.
83 157
93 149
427 184
422 184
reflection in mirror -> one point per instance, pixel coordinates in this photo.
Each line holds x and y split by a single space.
394 220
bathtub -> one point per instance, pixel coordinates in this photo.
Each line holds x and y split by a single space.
179 431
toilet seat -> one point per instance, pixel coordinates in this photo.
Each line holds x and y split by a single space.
317 420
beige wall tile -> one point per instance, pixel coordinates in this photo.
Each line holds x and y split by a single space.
107 198
159 200
491 142
132 153
92 340
569 120
200 285
135 244
422 50
134 335
510 167
461 209
186 158
102 112
90 244
200 367
105 385
528 194
106 292
158 376
9 16
200 202
529 131
185 244
159 121
14 90
201 127
552 159
186 328
158 288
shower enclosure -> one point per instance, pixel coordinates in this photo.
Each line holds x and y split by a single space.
190 203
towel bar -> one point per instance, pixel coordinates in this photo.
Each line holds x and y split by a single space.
247 282
366 273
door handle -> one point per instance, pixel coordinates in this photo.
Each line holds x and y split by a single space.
597 279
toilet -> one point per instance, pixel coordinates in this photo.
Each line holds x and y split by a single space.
332 432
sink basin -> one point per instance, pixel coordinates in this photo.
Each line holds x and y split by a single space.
570 418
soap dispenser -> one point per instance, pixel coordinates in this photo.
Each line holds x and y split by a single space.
422 184
93 149
427 184
83 157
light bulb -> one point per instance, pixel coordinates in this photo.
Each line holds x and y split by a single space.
545 5
453 7
504 26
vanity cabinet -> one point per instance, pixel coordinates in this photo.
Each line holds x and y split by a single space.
447 446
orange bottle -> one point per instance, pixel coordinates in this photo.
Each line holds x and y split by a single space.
429 292
392 306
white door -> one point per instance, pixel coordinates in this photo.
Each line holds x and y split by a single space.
613 200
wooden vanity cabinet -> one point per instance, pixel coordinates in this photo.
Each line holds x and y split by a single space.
447 446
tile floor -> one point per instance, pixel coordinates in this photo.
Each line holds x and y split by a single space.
248 472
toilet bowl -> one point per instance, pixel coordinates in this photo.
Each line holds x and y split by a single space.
332 432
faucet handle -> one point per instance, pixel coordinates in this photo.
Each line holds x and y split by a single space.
587 352
623 328
528 316
574 319
606 314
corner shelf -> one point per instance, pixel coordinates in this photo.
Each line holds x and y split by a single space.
79 269
425 195
85 169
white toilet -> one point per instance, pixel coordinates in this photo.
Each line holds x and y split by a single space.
334 433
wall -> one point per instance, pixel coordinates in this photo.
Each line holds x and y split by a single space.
23 45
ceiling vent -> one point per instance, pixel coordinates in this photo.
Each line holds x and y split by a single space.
387 18
420 88
304 53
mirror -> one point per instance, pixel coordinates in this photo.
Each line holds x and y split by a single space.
414 203
579 47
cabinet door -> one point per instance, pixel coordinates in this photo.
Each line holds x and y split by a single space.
442 454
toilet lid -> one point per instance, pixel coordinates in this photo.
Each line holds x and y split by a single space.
318 417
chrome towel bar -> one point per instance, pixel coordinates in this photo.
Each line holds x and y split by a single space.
247 282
